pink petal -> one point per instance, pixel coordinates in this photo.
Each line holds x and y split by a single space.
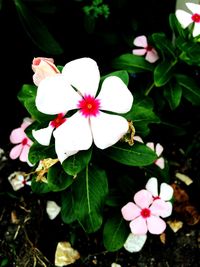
140 41
150 145
152 56
26 122
159 149
139 52
161 208
143 198
152 186
17 135
166 191
138 139
138 226
156 225
160 163
16 151
130 211
24 153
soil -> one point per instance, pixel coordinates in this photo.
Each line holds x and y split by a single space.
29 238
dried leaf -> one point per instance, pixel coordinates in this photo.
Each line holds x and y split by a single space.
52 209
163 238
175 225
115 265
65 254
184 178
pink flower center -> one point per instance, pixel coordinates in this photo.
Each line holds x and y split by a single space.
145 213
58 121
89 106
196 17
157 197
24 182
149 48
25 141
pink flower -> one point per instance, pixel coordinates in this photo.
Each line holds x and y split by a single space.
150 53
164 195
143 214
43 67
160 162
23 143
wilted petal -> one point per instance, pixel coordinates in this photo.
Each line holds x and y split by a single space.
152 56
17 135
161 208
43 136
150 145
152 186
139 52
140 41
55 96
52 209
156 225
195 8
83 74
143 198
115 96
166 191
74 133
196 30
108 129
138 226
16 151
134 243
184 18
130 211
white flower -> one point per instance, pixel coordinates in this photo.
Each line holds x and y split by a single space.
76 88
165 194
187 19
18 180
160 162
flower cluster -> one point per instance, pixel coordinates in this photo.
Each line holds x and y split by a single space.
149 206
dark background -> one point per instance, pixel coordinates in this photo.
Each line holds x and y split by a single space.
109 38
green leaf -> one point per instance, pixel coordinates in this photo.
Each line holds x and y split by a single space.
39 187
115 233
142 115
38 152
163 44
132 63
76 163
57 179
136 155
173 93
122 74
191 90
37 31
163 72
67 207
90 189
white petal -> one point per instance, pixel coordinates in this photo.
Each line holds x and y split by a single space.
55 96
62 153
166 191
74 133
139 52
43 136
134 243
108 129
138 139
196 30
115 96
140 41
195 8
83 74
159 149
184 18
152 186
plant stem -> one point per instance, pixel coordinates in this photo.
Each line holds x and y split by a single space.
148 90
